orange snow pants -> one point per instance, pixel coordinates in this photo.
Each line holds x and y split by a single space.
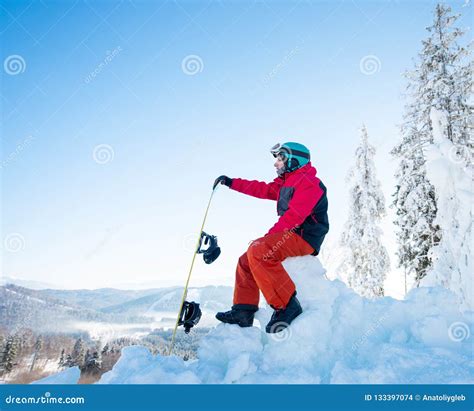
260 268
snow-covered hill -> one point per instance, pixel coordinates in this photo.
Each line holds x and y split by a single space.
22 307
34 285
169 299
340 338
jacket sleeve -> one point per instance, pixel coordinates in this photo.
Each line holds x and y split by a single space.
304 199
256 188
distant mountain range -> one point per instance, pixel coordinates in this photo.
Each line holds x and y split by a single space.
34 285
53 310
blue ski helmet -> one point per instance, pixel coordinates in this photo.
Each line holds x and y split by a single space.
295 155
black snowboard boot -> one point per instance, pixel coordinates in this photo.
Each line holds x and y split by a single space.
283 318
241 314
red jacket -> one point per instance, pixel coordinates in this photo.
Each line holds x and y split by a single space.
301 202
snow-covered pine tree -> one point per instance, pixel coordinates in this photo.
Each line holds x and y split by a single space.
446 81
367 259
3 343
69 361
87 358
93 363
62 358
78 353
37 348
10 353
453 266
414 201
441 79
105 350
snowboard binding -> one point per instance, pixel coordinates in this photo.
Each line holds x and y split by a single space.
213 251
189 316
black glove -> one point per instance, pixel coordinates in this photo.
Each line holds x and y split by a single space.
222 180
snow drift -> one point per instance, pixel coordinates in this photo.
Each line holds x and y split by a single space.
68 376
341 337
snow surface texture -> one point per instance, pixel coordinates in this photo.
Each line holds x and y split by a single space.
341 337
68 376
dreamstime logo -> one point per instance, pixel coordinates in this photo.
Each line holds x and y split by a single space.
372 246
459 331
278 245
103 154
14 154
109 233
458 154
14 65
109 57
190 242
371 330
46 398
14 242
281 65
192 65
103 332
281 331
370 65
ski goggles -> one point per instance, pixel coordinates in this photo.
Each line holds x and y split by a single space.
279 152
275 150
278 149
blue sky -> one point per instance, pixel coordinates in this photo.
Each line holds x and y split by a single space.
111 78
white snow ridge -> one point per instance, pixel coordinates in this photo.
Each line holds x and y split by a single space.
341 337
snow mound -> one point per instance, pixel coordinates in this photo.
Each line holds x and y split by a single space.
68 376
341 337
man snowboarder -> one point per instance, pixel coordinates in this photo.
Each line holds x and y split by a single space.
303 222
